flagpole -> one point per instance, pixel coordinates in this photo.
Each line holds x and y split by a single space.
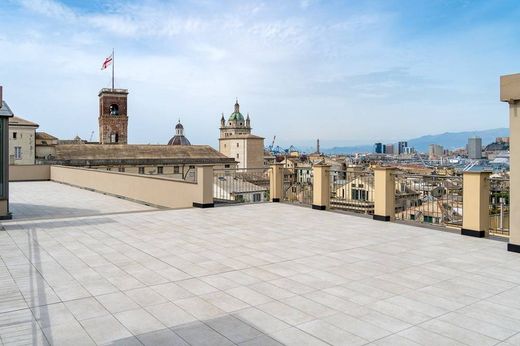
113 63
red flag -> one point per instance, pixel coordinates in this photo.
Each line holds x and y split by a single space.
107 62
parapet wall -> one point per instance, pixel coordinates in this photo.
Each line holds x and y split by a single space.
153 190
29 172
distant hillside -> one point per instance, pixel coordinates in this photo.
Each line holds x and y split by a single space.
449 140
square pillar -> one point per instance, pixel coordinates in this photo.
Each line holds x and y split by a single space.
205 182
5 114
321 187
276 182
475 204
510 93
384 193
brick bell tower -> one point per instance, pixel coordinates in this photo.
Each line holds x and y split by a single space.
113 118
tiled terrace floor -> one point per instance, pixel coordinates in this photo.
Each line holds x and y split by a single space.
265 274
49 199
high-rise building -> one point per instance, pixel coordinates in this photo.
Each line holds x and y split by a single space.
378 148
474 148
389 149
401 146
435 151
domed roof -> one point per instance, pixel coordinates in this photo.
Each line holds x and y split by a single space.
236 115
179 140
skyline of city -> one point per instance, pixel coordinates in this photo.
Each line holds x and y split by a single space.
205 57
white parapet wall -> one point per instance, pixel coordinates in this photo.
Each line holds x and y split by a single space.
153 190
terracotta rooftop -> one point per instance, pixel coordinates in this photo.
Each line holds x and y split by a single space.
45 136
102 154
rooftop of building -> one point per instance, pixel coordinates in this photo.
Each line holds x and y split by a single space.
17 121
135 151
259 274
45 136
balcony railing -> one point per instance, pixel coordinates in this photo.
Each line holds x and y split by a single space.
298 186
499 207
352 191
249 185
429 199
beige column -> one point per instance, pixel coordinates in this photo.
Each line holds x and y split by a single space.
384 193
475 205
321 187
205 181
276 182
510 93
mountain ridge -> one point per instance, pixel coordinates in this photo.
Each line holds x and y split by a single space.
449 140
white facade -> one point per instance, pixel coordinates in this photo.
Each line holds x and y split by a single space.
22 138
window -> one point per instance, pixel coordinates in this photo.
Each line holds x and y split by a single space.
175 169
141 170
114 138
257 197
114 109
160 170
17 153
238 156
238 144
359 195
109 168
121 169
226 166
14 135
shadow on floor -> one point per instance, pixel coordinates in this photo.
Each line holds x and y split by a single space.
222 331
27 211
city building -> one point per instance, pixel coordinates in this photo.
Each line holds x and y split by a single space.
113 117
388 149
474 148
378 148
178 159
401 147
435 151
45 145
237 142
22 147
179 138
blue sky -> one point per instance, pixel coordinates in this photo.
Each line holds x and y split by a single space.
342 71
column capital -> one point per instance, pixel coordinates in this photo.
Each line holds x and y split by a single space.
510 88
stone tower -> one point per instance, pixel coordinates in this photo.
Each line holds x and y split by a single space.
236 140
113 118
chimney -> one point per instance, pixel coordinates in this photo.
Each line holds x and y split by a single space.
318 146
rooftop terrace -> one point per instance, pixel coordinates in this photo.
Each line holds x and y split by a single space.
260 274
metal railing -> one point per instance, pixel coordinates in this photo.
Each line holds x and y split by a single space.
352 191
429 199
499 207
240 185
298 185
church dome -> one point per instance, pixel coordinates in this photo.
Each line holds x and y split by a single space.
236 115
179 138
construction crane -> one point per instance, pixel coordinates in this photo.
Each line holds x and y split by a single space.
91 136
272 144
